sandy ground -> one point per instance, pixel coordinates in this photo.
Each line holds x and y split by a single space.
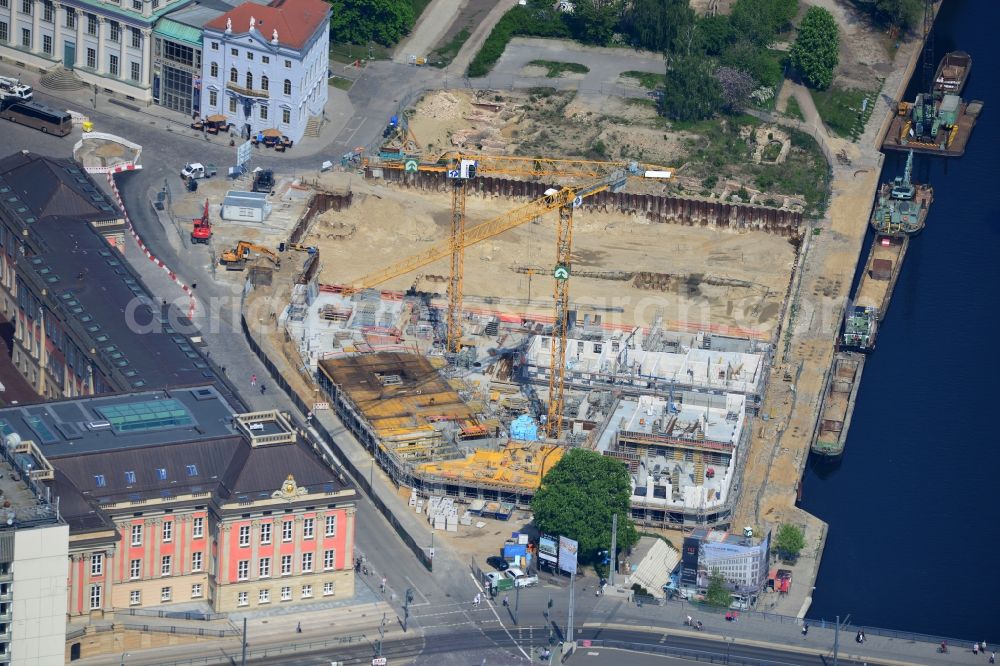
864 60
387 220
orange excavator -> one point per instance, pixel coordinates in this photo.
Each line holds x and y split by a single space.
236 258
202 229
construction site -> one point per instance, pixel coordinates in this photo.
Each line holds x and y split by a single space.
471 316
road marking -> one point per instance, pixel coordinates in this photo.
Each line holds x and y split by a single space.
413 586
497 615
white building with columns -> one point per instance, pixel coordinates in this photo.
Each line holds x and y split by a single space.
107 43
265 66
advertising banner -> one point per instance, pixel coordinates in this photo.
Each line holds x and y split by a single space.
567 554
548 549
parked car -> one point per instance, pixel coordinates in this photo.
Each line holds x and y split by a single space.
197 170
520 578
498 563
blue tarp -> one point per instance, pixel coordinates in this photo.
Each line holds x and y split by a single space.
524 429
512 550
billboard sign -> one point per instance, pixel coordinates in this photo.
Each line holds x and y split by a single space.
243 152
567 554
548 549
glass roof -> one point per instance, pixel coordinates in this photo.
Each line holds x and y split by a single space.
146 415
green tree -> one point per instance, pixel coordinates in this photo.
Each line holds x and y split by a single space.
789 541
816 49
578 497
593 21
755 61
903 13
718 592
690 92
384 22
657 24
714 34
761 20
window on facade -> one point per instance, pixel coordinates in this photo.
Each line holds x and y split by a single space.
91 24
234 52
3 32
215 46
286 565
242 599
165 594
213 98
97 564
234 76
286 530
327 588
4 4
161 473
288 64
168 530
263 113
92 63
137 535
264 568
25 38
307 591
115 31
134 568
113 71
99 479
129 476
47 44
196 562
135 71
307 562
156 4
264 596
288 86
244 536
308 527
165 565
70 17
243 570
249 55
95 596
213 70
26 6
178 53
249 81
48 10
196 591
265 59
286 593
265 533
264 83
137 5
286 116
134 598
232 105
198 528
329 559
331 521
136 38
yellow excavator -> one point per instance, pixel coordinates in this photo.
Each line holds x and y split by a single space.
235 259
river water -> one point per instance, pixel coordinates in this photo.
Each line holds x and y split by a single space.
913 505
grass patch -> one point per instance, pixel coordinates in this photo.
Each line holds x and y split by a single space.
557 69
536 19
340 82
793 110
804 172
841 110
645 79
443 55
348 53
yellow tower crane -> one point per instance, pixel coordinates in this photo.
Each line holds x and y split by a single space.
461 168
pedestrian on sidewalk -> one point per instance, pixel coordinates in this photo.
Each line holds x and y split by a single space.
506 601
975 648
298 628
263 388
993 657
805 629
253 380
382 586
982 647
476 600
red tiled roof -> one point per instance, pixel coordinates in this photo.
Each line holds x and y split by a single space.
295 20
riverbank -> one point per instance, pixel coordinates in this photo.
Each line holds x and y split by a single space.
780 446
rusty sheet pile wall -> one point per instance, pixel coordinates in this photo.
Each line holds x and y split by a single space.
656 208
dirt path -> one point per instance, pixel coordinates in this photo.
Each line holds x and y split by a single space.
432 26
476 39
